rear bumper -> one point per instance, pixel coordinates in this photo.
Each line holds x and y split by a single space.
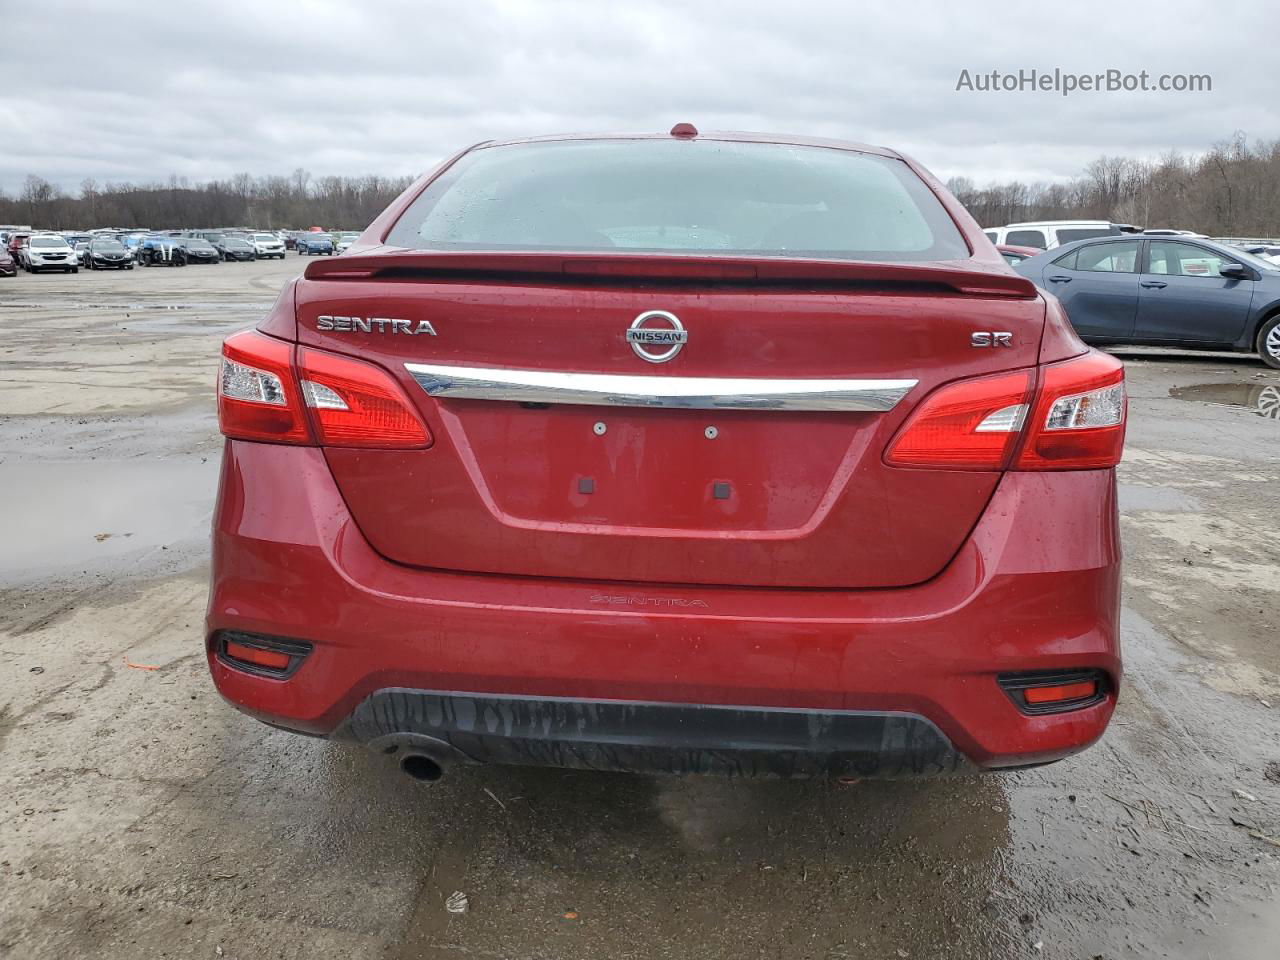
653 737
1035 587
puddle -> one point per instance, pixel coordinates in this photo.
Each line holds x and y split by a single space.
1262 399
60 516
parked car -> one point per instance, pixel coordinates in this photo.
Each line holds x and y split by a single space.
107 253
133 243
1014 255
1268 252
8 266
315 244
234 248
200 250
344 241
78 243
14 243
48 251
580 513
1047 234
267 245
1175 292
162 251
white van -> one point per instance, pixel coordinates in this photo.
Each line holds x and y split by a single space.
1047 234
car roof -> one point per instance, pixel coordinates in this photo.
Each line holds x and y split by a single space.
716 135
1055 223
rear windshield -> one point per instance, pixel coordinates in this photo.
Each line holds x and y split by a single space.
682 196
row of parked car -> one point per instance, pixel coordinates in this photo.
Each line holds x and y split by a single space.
38 252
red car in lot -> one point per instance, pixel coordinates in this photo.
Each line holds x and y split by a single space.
698 453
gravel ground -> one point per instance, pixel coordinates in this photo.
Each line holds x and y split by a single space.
142 817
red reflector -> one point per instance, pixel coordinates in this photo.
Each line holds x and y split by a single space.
257 393
356 404
968 425
1080 690
271 659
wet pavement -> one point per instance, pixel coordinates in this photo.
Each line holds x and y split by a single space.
142 817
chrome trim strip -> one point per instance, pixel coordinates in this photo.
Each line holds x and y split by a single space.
694 393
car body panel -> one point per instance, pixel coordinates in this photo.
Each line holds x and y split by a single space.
1200 305
504 480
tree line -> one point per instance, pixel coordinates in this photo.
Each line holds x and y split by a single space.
1232 189
274 203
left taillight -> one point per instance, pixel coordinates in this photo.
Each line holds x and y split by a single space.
355 404
321 398
258 397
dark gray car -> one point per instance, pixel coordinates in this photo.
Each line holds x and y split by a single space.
1164 291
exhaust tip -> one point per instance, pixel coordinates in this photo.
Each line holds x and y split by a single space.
421 768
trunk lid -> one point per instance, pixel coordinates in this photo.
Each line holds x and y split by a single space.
664 472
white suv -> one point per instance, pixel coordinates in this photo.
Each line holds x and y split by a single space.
267 245
48 251
1047 234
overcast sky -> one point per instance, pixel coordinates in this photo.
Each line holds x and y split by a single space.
141 91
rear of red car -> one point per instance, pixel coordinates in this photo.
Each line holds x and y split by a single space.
714 454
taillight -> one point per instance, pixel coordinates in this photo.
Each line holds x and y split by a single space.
257 393
352 404
355 404
1079 417
1074 420
969 425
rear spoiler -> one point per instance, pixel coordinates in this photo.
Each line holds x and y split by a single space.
969 277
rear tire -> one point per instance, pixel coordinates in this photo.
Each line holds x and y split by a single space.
1269 342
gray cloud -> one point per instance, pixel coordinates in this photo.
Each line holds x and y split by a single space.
203 92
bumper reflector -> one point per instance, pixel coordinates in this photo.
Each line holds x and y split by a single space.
253 653
1054 691
1081 690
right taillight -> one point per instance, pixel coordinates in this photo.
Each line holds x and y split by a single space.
1073 419
1078 419
966 425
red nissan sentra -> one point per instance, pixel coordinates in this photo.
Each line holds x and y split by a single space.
722 453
